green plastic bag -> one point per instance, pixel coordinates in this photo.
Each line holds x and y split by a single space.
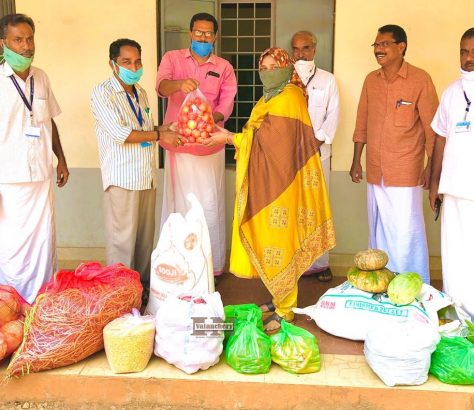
295 349
248 349
470 328
237 314
453 361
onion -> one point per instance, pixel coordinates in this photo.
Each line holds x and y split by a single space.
13 335
10 306
3 347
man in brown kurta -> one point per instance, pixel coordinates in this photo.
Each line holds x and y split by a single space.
397 104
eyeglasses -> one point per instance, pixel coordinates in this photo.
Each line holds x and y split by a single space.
207 34
383 44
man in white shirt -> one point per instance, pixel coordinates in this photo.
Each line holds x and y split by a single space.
323 107
127 139
451 179
28 138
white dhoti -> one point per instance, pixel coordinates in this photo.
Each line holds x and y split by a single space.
397 226
323 262
205 177
457 244
27 236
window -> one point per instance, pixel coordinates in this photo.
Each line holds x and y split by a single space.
246 30
7 7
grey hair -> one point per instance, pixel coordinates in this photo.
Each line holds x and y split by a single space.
314 39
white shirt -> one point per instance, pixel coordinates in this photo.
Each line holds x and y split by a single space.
458 162
126 165
23 158
323 108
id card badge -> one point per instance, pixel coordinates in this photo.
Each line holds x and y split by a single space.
463 126
32 131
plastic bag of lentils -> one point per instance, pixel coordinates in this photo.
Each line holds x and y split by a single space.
128 342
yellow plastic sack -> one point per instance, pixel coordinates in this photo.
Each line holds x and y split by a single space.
128 342
295 349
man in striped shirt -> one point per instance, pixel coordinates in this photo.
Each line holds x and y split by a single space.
127 139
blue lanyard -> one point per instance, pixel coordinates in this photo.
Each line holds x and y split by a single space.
468 105
29 104
138 114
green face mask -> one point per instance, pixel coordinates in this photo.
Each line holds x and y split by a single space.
275 80
15 60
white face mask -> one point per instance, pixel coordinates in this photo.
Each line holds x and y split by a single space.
305 69
467 80
467 75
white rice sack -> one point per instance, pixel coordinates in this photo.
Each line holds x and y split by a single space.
400 353
182 259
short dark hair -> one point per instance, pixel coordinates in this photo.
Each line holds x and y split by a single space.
205 17
13 20
468 34
114 49
397 32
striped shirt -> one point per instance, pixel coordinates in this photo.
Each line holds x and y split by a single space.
126 165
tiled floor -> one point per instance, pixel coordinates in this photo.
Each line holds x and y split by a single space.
345 380
235 291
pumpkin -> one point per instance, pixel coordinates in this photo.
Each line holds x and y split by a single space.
374 281
404 288
371 259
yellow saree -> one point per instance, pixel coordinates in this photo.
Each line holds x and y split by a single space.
282 218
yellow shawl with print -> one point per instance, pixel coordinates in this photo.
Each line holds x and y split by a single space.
282 218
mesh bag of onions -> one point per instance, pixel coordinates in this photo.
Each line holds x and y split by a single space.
12 310
66 321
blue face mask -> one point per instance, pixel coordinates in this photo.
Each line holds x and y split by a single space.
201 49
129 77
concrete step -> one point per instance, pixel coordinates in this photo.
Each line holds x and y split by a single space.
344 382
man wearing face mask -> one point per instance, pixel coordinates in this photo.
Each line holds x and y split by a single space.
323 108
127 139
451 178
196 168
28 138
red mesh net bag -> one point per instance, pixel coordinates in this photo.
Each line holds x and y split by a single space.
12 310
66 321
195 117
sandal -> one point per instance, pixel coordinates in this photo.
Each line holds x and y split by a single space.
274 318
324 275
269 307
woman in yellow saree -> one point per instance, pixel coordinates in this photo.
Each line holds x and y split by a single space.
282 218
